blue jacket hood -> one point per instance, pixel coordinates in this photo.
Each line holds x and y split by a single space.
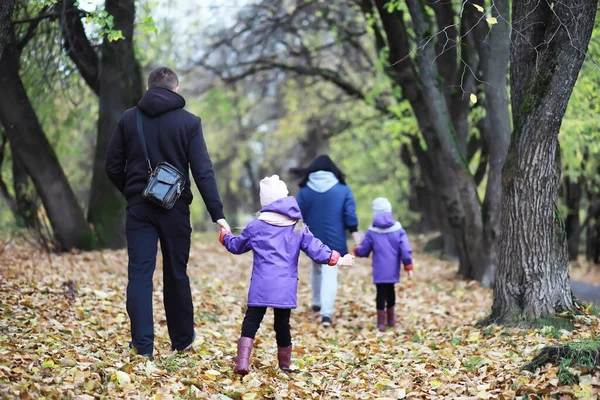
322 181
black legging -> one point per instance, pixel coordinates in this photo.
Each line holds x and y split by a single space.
254 316
386 295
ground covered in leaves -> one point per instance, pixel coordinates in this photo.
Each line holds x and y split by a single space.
64 334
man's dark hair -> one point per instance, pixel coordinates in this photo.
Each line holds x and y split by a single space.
163 77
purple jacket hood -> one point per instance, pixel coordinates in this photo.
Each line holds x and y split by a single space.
287 206
384 220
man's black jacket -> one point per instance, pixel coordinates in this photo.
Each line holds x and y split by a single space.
172 135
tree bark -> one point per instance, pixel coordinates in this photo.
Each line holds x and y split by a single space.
8 199
120 88
26 206
29 143
592 251
6 9
494 54
573 192
547 53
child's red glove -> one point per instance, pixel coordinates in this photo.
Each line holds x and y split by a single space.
222 236
335 257
408 267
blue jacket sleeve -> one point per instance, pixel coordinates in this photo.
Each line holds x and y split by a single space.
350 218
302 202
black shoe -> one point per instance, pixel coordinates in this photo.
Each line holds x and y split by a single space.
326 321
316 309
135 350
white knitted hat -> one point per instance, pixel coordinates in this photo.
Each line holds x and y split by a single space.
381 204
272 188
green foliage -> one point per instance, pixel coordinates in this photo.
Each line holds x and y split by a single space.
580 130
582 356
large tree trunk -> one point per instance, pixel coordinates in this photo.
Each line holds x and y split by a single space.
547 53
6 8
33 149
26 204
494 54
120 88
592 251
573 191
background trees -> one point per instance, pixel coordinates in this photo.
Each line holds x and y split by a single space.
411 99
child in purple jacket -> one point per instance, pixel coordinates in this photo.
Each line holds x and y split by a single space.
276 238
389 244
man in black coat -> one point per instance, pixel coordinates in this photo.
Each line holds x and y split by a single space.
175 136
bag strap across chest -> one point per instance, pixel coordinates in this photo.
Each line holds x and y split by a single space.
140 129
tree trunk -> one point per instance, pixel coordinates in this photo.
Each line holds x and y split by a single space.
573 193
6 9
120 87
8 199
26 206
546 56
592 251
494 54
31 146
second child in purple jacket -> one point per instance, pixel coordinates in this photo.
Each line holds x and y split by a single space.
390 247
276 237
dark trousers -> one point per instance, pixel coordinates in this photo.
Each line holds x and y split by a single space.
146 225
254 316
386 295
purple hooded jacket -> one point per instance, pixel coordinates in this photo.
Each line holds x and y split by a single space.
274 281
389 244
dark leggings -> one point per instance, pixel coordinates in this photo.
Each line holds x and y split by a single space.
254 316
386 295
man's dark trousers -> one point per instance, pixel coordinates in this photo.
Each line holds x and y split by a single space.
146 225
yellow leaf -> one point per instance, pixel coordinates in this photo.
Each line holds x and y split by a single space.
212 373
48 364
473 337
473 98
478 7
382 384
492 20
122 378
435 383
483 395
249 396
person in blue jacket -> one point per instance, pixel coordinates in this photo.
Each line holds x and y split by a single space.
328 208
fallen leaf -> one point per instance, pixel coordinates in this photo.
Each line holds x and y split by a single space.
122 378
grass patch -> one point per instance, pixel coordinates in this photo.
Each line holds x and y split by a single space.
583 356
556 322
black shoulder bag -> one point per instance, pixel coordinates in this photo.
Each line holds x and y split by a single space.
165 183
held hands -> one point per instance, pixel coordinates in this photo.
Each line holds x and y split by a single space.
347 260
223 226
